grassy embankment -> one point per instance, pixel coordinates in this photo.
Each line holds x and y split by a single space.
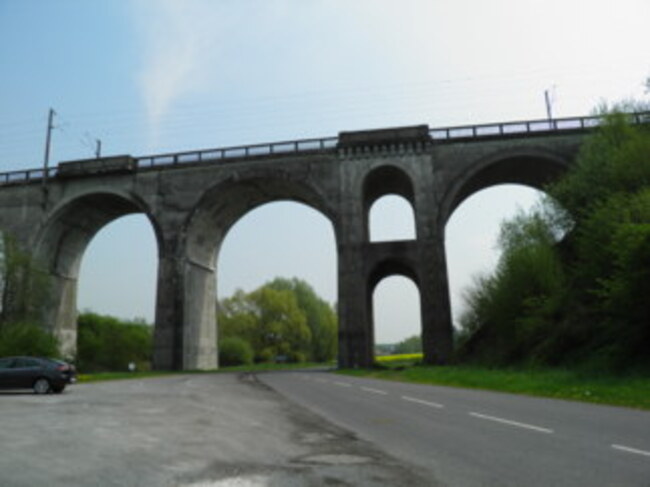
625 390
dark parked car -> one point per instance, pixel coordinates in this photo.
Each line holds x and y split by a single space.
41 374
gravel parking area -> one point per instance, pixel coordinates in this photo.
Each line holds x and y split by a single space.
184 430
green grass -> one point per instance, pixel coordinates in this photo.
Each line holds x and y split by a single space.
104 376
631 391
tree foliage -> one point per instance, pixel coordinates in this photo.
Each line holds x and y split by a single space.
282 320
27 339
24 292
24 285
321 319
235 351
105 344
573 278
409 345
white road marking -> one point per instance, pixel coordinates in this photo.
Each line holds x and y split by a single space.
423 402
343 384
374 391
631 450
512 423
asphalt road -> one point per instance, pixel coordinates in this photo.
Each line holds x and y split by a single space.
470 438
206 430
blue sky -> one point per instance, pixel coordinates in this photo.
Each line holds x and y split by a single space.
155 76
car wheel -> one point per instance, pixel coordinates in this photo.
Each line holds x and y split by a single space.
42 386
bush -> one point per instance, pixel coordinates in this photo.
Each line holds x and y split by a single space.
235 351
297 357
27 339
571 285
107 344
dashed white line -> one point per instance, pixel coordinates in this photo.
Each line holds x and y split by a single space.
342 384
423 402
374 391
512 423
631 450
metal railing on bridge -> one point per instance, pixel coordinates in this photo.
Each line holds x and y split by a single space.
529 127
240 152
326 144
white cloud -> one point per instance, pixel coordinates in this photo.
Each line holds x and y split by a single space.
176 37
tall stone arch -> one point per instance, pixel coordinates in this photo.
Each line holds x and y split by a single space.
530 167
60 246
193 273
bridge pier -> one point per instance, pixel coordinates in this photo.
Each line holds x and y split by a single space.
169 313
356 338
199 318
185 330
437 329
61 312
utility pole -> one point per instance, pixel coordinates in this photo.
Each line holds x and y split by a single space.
98 148
46 159
549 113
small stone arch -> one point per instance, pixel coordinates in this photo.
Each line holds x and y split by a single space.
382 181
389 267
535 168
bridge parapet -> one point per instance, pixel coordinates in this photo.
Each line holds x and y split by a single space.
529 127
345 140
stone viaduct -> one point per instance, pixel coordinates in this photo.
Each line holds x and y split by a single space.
192 199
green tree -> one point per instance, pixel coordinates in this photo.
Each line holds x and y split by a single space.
105 343
572 281
235 351
282 329
321 318
283 318
24 285
24 291
27 339
409 345
509 311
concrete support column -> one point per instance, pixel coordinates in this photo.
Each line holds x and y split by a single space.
185 334
200 318
437 330
168 332
61 314
355 321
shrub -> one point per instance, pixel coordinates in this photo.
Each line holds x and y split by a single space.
106 344
27 339
297 357
235 351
